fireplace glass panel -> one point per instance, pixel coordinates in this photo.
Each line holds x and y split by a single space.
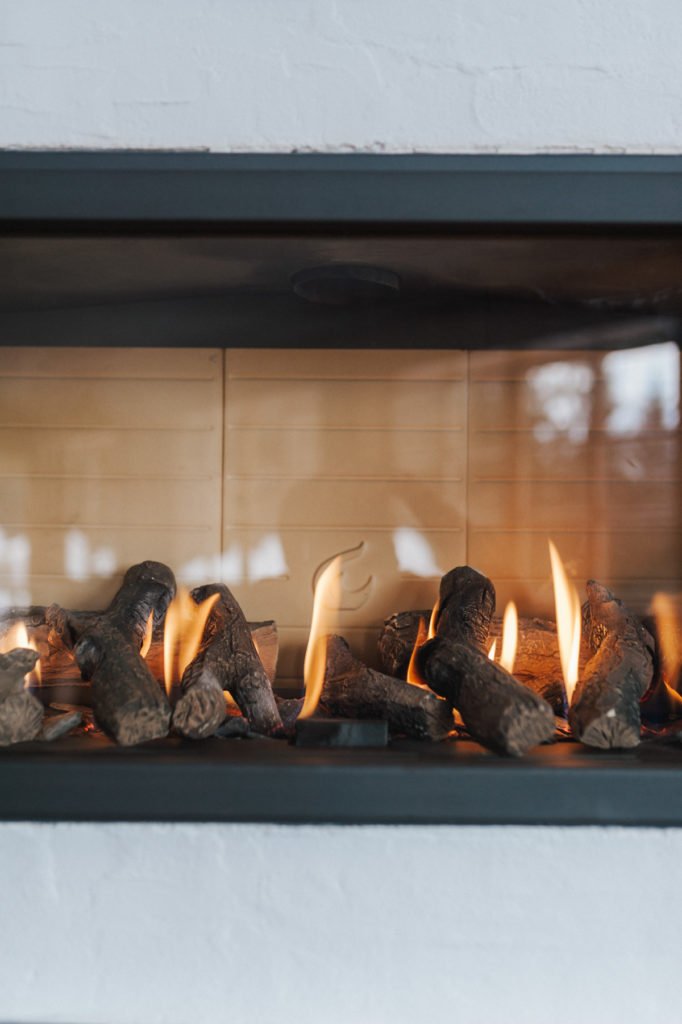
255 466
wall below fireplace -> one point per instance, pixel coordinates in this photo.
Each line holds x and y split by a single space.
381 925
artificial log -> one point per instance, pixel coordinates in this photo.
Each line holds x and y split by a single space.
21 714
397 640
56 726
466 604
496 709
289 709
14 667
127 701
537 663
352 690
226 660
605 708
56 660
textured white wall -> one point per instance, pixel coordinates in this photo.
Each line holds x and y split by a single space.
438 75
146 924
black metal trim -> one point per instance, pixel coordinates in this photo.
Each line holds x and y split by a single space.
266 781
45 191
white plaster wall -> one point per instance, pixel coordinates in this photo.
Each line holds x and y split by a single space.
375 925
381 75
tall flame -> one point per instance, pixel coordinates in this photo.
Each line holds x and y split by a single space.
17 636
433 620
568 620
667 610
326 603
510 637
414 676
183 629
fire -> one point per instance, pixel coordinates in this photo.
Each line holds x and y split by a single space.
147 642
493 648
433 620
183 629
413 674
17 636
510 637
568 621
667 610
326 602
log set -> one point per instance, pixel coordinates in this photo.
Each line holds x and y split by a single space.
227 660
128 703
605 708
352 690
21 714
57 665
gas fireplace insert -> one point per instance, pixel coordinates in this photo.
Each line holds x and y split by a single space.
340 489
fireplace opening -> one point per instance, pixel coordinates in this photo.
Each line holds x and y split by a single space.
252 502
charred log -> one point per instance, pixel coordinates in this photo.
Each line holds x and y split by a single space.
57 726
352 690
537 664
605 708
21 718
496 709
14 666
127 701
289 709
466 604
397 640
227 660
21 714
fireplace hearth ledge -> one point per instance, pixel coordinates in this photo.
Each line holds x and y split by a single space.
269 781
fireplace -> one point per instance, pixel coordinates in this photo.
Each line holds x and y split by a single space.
244 367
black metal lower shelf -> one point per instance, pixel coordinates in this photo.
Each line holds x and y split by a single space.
88 779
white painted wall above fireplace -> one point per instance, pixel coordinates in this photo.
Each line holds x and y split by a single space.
342 75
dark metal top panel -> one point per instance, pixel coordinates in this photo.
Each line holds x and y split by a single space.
48 188
83 779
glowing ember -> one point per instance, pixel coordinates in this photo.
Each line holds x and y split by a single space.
413 674
493 649
510 637
326 603
568 621
668 612
147 642
183 629
17 636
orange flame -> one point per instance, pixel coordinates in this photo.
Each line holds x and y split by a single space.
17 636
326 603
510 637
493 648
668 612
182 632
433 620
147 642
568 621
414 676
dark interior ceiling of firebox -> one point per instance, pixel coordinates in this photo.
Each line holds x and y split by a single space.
458 290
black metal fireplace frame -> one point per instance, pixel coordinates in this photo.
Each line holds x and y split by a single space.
52 195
